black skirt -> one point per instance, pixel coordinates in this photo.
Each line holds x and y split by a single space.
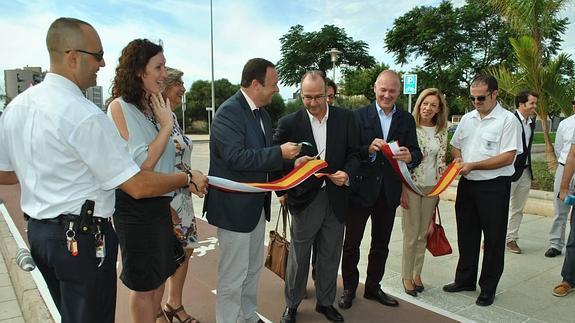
144 229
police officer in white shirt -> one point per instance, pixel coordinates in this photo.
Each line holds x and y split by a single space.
64 151
486 142
562 145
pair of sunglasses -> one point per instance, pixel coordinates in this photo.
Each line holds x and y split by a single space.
480 98
99 56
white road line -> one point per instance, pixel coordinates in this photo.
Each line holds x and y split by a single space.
36 275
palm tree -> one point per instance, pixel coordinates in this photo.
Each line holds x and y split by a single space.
537 69
545 79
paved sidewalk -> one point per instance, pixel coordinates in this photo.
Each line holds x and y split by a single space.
9 307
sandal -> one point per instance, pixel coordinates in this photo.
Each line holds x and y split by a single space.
161 315
172 313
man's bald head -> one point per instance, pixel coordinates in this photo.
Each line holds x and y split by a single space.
388 74
65 34
387 89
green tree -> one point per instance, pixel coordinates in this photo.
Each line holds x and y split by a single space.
303 51
454 45
200 96
359 81
538 67
276 108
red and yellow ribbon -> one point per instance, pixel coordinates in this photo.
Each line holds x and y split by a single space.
295 177
401 169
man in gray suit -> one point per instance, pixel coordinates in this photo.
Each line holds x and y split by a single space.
241 150
318 205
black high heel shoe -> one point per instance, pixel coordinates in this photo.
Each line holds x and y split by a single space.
411 292
418 288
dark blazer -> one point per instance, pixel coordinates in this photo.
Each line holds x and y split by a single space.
377 177
341 153
520 160
238 152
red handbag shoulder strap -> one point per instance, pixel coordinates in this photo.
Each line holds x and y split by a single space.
437 213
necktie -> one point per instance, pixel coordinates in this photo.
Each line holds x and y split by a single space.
258 116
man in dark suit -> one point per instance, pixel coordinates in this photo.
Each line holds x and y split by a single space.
377 188
318 205
525 104
241 150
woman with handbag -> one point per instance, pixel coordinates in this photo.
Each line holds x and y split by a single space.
430 114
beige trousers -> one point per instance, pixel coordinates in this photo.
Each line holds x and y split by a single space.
415 222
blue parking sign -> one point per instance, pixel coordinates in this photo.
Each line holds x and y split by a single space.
410 84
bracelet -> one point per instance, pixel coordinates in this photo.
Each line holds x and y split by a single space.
190 176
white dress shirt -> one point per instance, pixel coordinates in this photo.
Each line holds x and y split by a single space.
526 122
319 130
253 107
480 139
385 119
563 137
63 149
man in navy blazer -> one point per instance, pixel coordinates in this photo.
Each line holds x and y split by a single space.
318 205
377 188
241 150
525 104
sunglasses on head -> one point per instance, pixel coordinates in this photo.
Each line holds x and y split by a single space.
480 98
99 56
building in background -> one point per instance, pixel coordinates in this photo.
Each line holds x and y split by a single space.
18 80
95 95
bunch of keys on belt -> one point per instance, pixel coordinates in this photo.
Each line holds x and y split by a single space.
71 239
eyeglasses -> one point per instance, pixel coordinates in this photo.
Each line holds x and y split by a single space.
330 96
480 98
99 56
311 97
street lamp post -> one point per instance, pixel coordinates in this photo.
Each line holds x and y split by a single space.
334 56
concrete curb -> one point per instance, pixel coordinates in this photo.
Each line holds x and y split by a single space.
31 303
538 203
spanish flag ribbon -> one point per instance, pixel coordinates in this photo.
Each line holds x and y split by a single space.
401 169
294 178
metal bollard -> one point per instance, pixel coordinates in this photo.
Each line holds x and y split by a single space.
24 260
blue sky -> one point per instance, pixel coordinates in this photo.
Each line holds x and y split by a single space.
242 30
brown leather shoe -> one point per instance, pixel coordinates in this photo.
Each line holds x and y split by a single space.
513 247
562 289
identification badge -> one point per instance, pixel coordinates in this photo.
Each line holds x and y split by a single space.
73 247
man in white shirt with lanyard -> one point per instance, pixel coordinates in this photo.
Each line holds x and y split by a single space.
562 145
64 152
486 142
